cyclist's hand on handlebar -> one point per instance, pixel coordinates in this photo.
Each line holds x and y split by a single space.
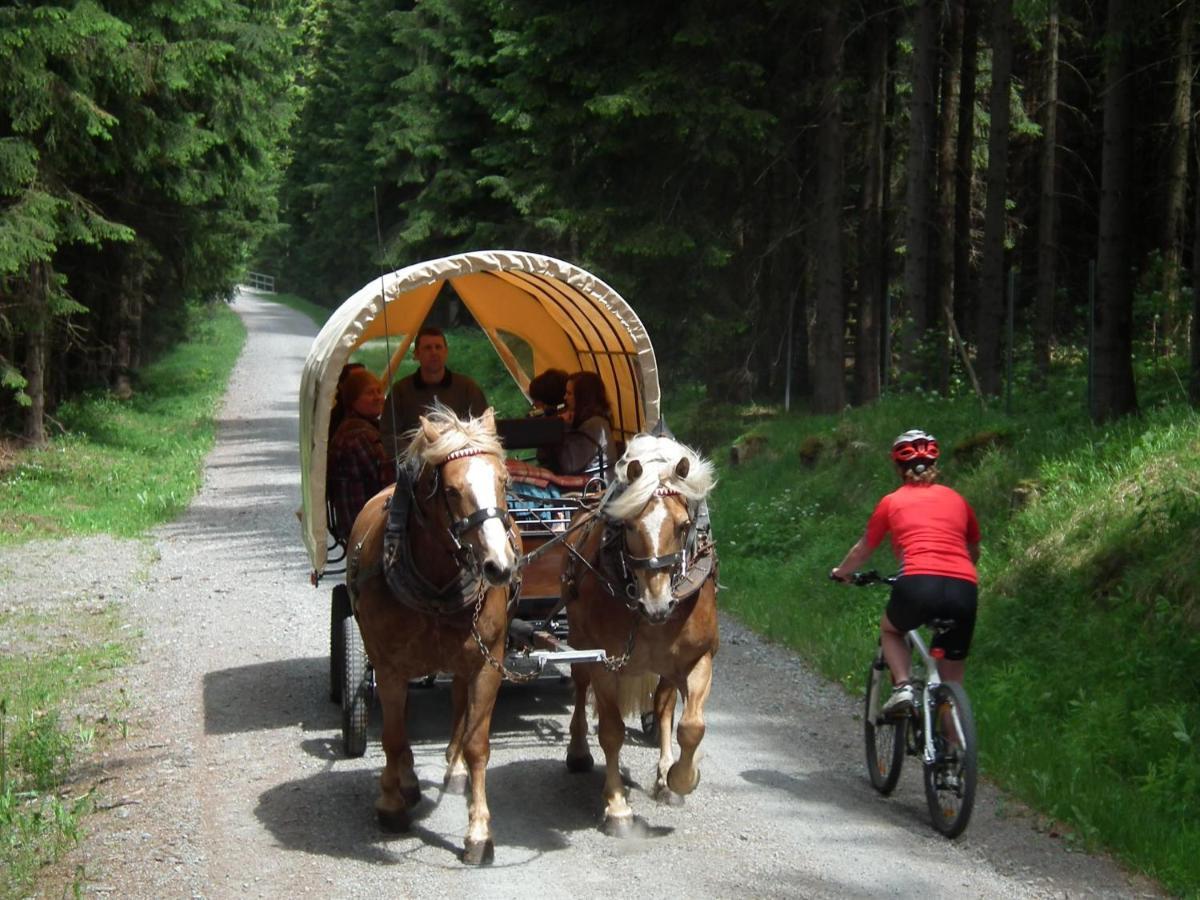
836 574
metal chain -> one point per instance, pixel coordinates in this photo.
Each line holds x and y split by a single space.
506 673
615 664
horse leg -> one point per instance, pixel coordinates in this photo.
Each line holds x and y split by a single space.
683 777
664 711
455 780
481 702
400 790
618 816
579 758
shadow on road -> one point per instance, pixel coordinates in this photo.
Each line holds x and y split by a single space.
534 801
278 693
535 805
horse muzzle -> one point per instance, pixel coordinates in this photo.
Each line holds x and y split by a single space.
496 574
656 609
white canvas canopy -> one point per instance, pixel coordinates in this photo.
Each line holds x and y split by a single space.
568 318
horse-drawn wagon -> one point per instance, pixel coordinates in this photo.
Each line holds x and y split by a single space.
505 574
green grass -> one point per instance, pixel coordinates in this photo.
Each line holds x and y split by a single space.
1085 670
120 468
59 656
124 466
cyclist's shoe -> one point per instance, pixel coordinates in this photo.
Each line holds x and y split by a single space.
900 702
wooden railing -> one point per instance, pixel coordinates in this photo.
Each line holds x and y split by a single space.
260 282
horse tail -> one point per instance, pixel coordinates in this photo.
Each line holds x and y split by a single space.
635 693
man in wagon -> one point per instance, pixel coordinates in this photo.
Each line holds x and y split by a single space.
412 395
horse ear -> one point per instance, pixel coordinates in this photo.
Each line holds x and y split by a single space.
489 419
682 468
427 429
633 471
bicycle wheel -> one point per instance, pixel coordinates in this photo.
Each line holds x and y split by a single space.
884 737
950 778
356 690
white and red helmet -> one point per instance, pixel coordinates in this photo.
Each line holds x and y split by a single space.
915 448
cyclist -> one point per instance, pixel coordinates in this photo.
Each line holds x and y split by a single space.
935 537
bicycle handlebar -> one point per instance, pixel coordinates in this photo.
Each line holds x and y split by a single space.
871 576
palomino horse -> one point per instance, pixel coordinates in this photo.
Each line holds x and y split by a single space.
430 570
641 581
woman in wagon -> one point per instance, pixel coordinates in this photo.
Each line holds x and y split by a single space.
587 447
546 392
358 467
935 536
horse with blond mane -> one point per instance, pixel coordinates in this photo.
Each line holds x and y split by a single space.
640 581
430 570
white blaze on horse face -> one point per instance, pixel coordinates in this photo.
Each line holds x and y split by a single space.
655 525
493 537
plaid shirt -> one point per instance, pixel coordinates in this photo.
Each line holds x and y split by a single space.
357 471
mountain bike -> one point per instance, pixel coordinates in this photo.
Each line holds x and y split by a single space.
939 728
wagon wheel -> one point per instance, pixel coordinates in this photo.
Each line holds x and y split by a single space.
339 610
649 725
356 690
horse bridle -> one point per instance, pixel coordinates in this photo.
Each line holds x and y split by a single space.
458 528
677 562
400 569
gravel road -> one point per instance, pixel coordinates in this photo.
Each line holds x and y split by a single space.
231 782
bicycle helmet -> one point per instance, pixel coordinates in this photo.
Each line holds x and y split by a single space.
915 449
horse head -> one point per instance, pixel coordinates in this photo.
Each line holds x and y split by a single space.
462 461
661 485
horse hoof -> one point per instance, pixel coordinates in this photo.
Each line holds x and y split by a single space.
395 821
578 764
478 853
675 782
624 827
667 797
617 826
456 784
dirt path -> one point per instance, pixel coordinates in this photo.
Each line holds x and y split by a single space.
231 783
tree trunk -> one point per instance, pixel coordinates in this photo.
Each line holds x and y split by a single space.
872 274
829 363
37 298
1047 273
990 327
921 162
1174 216
1194 380
943 293
1113 392
964 172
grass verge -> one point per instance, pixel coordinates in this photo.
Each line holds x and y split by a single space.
59 656
121 467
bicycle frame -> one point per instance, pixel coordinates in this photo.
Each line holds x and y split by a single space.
931 682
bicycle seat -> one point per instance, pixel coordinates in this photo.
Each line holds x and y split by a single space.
941 625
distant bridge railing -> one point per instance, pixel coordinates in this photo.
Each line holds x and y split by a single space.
260 282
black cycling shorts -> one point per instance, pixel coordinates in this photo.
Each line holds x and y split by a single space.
918 598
